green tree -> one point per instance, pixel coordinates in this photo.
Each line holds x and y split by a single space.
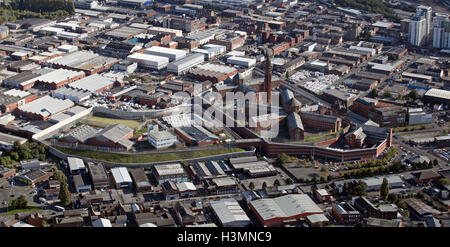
251 186
360 189
413 95
324 169
19 203
14 156
282 159
59 175
329 178
400 97
287 75
264 185
392 198
276 183
384 191
401 204
64 195
289 181
435 162
322 179
374 93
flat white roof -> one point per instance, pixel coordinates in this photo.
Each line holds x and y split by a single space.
148 57
228 211
286 206
169 169
439 93
102 223
59 75
92 83
376 181
186 186
46 106
75 163
241 59
159 49
16 93
217 68
121 175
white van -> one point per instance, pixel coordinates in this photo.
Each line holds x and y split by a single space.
59 208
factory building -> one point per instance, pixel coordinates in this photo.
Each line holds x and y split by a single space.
437 96
149 61
212 72
181 66
210 50
11 99
230 213
75 95
98 176
121 177
255 168
76 165
418 116
22 81
7 141
170 172
241 61
79 135
374 183
284 210
58 78
196 135
171 54
140 179
162 30
43 108
88 62
113 136
93 83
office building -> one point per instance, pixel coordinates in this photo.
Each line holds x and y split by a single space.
441 31
420 27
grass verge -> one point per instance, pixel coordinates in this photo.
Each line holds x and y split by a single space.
27 209
147 158
103 122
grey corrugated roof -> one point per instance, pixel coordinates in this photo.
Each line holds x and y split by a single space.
82 133
285 206
228 211
46 106
114 132
294 121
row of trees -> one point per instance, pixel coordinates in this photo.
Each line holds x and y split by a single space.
411 96
44 5
373 163
251 185
18 11
377 6
314 180
28 150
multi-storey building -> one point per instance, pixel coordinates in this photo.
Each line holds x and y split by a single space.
420 26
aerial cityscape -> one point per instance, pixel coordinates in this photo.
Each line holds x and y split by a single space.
224 113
